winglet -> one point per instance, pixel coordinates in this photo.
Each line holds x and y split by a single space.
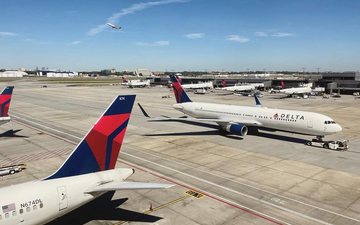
257 101
179 92
143 111
5 98
99 149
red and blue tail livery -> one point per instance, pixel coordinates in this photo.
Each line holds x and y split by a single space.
100 148
179 92
5 98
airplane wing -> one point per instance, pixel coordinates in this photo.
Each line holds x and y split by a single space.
117 186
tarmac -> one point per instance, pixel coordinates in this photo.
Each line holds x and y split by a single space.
265 178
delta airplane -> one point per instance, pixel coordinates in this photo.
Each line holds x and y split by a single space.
113 26
239 88
138 83
302 90
5 98
88 173
204 85
236 119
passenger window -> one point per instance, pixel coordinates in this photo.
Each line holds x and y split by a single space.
7 215
27 209
34 207
41 205
21 211
0 217
14 213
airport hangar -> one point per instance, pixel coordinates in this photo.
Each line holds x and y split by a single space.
272 178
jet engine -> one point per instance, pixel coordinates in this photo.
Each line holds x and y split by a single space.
239 129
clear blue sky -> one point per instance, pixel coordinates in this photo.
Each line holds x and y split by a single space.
175 35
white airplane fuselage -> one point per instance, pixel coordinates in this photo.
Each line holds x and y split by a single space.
39 202
206 85
302 122
296 90
138 83
239 88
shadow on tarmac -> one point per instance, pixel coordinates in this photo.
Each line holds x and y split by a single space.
12 133
103 208
218 131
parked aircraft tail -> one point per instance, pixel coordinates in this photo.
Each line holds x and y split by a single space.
179 92
99 149
5 98
282 84
257 100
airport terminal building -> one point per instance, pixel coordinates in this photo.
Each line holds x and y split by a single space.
345 83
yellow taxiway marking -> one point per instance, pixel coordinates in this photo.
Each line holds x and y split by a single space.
189 194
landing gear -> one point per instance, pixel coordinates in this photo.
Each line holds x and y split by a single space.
319 138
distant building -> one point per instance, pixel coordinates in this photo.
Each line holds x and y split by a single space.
143 72
346 82
49 73
13 73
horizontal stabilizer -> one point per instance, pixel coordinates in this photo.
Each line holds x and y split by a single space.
143 111
117 186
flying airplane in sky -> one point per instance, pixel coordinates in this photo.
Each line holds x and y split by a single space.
5 98
236 119
88 173
113 26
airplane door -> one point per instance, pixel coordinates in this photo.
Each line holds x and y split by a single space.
309 124
63 199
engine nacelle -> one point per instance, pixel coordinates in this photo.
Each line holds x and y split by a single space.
239 129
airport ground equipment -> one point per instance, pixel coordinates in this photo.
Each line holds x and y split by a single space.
339 145
6 170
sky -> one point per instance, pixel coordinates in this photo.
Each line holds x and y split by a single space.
179 35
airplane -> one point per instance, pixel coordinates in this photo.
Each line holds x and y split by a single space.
88 173
238 88
204 85
113 26
237 119
5 98
200 85
303 90
138 83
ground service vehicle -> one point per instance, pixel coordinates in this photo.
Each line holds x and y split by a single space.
339 145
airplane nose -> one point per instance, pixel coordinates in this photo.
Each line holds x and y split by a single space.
338 128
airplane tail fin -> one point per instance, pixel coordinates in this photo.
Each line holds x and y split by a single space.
99 149
257 100
282 84
179 92
5 98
